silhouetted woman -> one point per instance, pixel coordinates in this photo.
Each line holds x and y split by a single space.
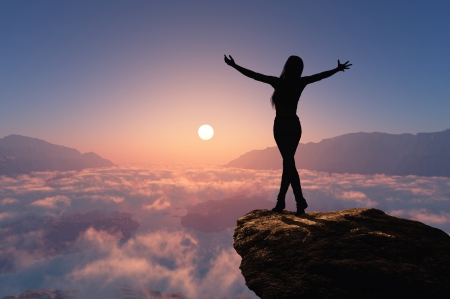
286 129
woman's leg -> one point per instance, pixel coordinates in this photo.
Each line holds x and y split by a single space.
296 187
287 135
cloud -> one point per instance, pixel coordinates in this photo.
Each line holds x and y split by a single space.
358 197
6 215
115 199
424 216
31 238
222 275
186 216
52 202
216 215
8 201
159 204
160 258
169 254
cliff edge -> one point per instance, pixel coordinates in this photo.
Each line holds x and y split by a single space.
355 253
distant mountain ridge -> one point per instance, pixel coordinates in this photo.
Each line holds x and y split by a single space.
424 154
21 154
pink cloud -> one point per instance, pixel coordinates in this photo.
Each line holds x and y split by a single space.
358 197
115 199
6 215
138 261
52 202
8 201
152 258
424 216
159 204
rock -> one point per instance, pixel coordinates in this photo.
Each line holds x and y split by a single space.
355 253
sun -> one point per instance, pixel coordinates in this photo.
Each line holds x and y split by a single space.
205 132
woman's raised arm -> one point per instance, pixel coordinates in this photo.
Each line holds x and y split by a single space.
251 74
326 74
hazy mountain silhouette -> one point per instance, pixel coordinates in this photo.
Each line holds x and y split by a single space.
424 154
20 154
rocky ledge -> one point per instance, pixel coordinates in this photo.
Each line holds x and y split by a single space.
355 253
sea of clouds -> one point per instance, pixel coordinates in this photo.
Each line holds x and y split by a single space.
186 216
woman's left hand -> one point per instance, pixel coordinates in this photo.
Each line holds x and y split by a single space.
344 66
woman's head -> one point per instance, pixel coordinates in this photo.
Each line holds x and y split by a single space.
293 68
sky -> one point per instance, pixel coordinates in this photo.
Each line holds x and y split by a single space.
134 80
186 217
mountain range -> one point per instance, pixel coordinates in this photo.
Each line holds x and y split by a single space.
21 155
424 154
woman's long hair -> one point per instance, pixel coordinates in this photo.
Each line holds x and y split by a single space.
292 69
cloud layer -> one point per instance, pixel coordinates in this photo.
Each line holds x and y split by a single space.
186 217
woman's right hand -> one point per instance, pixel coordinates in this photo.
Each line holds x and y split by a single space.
229 61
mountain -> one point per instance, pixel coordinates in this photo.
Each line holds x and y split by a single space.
20 154
424 154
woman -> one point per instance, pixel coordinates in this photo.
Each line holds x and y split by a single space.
286 129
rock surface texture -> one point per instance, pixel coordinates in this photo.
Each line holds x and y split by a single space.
355 253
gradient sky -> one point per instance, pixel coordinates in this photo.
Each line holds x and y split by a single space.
134 80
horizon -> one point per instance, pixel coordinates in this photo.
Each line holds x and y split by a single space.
212 164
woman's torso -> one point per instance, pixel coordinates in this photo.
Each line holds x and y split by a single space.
286 96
